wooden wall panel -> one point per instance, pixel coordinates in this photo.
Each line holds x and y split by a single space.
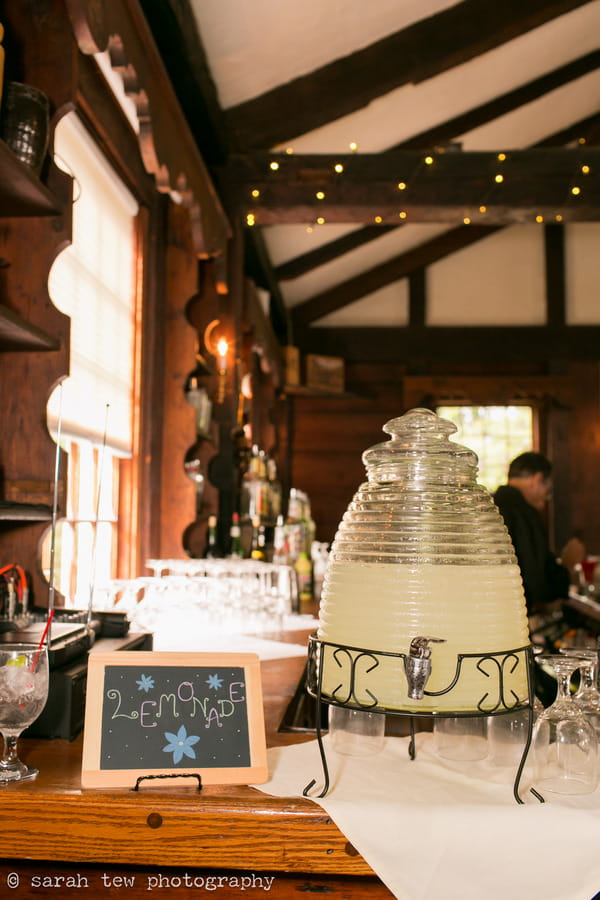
582 451
329 434
27 451
178 494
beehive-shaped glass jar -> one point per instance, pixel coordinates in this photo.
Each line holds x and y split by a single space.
422 551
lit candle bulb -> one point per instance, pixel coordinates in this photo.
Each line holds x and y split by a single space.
222 348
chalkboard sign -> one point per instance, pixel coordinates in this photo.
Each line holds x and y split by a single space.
162 713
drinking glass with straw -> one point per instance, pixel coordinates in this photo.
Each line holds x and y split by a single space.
23 695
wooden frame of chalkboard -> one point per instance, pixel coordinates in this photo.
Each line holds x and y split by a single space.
151 713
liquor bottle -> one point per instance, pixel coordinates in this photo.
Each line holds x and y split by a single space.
197 396
294 529
274 490
303 567
320 557
235 549
281 554
257 550
254 494
211 550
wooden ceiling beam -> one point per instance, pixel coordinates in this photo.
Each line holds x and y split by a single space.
451 187
258 266
418 345
588 130
430 252
303 314
418 52
302 264
175 30
506 103
353 289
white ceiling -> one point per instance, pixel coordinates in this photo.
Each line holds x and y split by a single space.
253 46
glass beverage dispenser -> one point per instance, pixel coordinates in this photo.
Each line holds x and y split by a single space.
422 608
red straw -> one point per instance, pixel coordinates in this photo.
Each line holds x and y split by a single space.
41 644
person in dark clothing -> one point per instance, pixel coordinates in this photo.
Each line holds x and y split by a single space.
521 502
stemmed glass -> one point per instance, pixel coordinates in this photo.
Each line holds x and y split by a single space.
564 743
587 695
23 694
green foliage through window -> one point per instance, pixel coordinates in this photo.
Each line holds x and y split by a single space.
495 433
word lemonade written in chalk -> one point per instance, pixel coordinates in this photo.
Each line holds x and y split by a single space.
168 716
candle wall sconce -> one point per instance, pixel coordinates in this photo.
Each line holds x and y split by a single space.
218 345
422 606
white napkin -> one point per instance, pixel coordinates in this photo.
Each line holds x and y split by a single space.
435 830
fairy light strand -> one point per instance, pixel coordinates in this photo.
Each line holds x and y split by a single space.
403 185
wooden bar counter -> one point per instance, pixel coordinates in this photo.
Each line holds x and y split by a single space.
52 828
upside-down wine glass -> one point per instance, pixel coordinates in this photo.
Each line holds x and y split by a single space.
587 695
564 743
23 694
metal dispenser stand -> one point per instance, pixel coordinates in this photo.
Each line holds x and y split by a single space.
352 682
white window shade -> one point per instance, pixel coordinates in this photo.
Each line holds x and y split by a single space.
92 282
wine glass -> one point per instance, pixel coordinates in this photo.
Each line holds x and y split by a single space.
587 695
564 743
23 694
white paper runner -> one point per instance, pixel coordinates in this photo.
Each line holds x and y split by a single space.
451 831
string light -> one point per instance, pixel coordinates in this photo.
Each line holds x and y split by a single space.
429 160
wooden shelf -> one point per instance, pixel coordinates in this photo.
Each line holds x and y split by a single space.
24 512
21 192
300 390
17 334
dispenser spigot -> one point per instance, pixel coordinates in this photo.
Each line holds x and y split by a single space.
417 665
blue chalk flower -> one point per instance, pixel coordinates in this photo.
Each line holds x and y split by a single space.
146 683
180 744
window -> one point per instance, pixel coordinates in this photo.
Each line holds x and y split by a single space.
495 433
93 282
